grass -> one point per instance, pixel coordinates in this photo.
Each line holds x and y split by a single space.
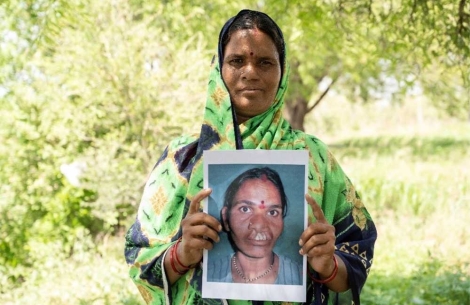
413 174
419 202
414 178
420 260
88 277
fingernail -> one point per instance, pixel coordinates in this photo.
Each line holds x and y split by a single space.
301 251
219 228
301 243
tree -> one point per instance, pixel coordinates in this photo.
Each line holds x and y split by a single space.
98 93
358 47
91 92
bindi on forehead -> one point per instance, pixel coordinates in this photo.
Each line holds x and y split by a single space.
251 53
262 206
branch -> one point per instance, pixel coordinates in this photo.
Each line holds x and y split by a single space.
321 96
462 17
413 11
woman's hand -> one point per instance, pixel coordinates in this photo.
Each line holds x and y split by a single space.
318 242
200 231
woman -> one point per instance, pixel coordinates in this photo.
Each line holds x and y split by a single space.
253 214
243 111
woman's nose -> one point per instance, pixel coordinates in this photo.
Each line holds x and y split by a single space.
250 71
258 221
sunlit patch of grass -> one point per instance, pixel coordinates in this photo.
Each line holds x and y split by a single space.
423 176
92 277
432 283
420 259
417 189
411 148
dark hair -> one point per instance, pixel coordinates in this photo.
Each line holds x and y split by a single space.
254 173
248 19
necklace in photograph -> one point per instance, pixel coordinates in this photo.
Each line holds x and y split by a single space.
248 280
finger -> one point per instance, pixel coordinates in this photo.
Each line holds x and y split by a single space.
198 238
311 240
310 231
326 249
318 239
212 223
196 202
204 232
198 244
317 211
317 243
198 219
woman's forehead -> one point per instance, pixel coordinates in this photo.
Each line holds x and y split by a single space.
262 203
255 39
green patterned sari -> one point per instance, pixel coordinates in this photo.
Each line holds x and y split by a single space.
178 176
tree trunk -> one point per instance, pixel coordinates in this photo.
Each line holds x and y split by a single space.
296 106
295 111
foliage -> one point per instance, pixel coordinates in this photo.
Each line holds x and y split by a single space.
418 257
91 92
365 50
83 120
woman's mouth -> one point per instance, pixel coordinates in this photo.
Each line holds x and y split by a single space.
259 236
250 90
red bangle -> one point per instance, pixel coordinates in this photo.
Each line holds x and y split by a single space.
330 278
172 261
176 255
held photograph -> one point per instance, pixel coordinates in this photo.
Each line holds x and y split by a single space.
258 197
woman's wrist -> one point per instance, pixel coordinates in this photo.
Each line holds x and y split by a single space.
332 267
327 279
176 265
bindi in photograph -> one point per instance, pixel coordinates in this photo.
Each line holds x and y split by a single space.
258 197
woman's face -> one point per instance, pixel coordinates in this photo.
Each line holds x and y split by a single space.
255 217
251 71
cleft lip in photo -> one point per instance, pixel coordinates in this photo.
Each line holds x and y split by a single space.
257 236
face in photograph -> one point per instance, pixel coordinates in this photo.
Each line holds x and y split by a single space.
255 216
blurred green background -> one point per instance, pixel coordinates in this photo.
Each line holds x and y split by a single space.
91 92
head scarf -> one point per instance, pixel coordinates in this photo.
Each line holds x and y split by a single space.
245 14
220 130
178 177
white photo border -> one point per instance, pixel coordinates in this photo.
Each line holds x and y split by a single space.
241 291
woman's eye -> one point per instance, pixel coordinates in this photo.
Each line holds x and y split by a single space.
245 209
266 63
273 213
236 61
